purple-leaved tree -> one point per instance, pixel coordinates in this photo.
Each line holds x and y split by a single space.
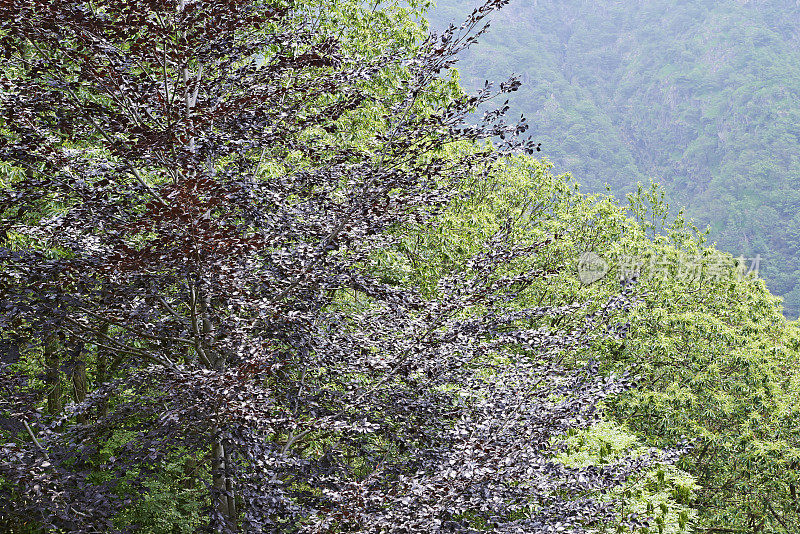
202 188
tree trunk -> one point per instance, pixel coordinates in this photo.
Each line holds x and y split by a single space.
102 373
52 374
218 470
229 482
78 376
189 472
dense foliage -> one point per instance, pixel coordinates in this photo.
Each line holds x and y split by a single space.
259 273
198 205
700 95
715 359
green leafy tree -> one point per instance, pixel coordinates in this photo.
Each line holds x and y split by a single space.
715 359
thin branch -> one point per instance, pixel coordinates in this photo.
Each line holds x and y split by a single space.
35 441
140 333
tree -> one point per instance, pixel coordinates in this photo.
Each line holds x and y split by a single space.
713 356
204 189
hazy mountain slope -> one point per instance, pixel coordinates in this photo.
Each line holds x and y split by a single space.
703 96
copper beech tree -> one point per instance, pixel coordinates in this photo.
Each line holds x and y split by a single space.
201 189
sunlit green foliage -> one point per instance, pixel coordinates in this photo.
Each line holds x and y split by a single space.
665 494
716 361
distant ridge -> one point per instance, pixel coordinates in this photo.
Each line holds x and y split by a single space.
702 96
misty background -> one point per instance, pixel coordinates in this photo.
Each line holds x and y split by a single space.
701 96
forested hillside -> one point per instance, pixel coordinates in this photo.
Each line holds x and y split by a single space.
699 95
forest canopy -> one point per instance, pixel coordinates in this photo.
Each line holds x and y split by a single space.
263 270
